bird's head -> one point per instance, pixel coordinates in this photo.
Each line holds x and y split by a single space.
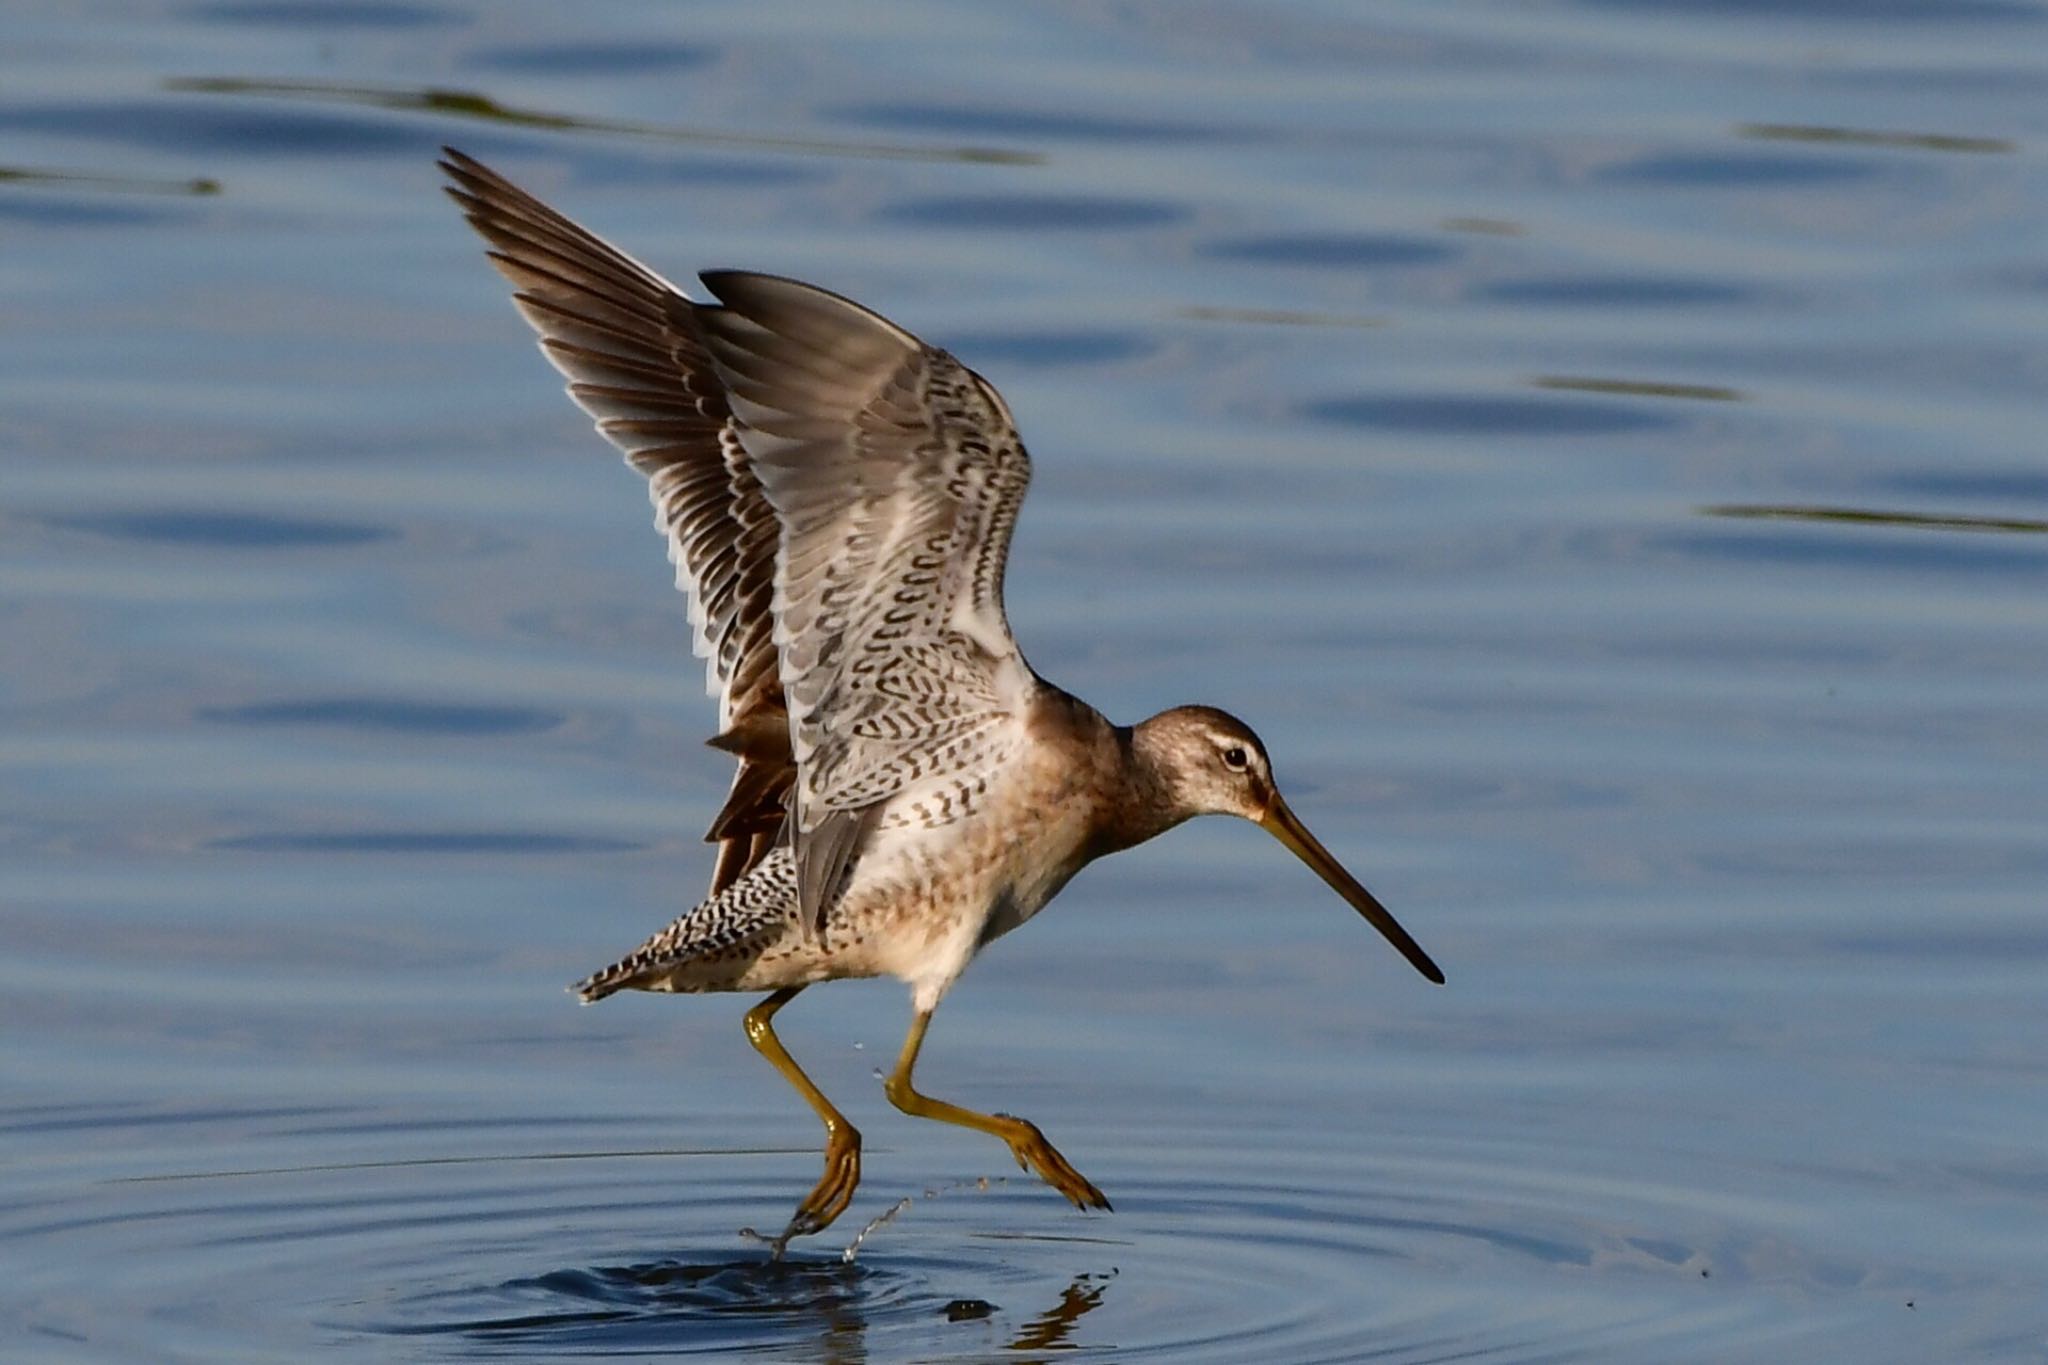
1208 762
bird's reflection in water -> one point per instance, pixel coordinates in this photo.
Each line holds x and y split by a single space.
738 1305
1049 1330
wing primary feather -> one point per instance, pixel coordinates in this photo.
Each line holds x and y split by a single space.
629 343
838 499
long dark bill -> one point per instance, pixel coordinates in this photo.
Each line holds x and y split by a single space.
1283 824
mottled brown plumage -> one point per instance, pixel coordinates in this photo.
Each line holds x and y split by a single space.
838 498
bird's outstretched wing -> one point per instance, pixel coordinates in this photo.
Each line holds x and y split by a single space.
838 499
628 342
896 474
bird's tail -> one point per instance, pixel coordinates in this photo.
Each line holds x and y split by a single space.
709 945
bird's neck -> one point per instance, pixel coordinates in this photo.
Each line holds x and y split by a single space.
1145 804
1113 770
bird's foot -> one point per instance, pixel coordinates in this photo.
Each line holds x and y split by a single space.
776 1245
1034 1153
834 1190
827 1200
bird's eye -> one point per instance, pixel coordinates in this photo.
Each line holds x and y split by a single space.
1236 759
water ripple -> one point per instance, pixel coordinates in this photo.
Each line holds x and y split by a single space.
465 104
1038 125
183 127
1332 250
227 530
1844 11
590 58
1227 1248
1302 1270
1608 291
1703 169
388 714
385 14
1036 212
1052 347
1475 414
416 841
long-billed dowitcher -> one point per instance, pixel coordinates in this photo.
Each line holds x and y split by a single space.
838 498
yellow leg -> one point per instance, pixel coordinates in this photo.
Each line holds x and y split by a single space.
1027 1144
835 1188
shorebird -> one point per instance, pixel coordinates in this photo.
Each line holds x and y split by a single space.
838 498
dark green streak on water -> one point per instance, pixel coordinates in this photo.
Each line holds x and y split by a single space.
468 104
1868 137
1639 388
130 184
1863 516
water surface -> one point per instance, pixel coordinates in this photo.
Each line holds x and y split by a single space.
1597 443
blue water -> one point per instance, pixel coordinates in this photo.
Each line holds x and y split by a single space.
1598 443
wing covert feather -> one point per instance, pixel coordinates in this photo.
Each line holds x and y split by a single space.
896 473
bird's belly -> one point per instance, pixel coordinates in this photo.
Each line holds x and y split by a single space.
920 900
921 910
1018 902
902 917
